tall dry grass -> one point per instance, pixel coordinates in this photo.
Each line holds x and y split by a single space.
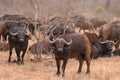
101 69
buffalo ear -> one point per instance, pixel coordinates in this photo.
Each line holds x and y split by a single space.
52 45
28 36
67 46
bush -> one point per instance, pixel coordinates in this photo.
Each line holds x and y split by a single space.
99 9
116 11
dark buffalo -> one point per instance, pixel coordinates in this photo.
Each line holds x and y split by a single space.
5 27
110 32
98 47
82 23
94 52
14 17
77 18
97 22
18 39
60 29
71 46
63 29
101 49
85 25
56 20
104 48
22 21
93 37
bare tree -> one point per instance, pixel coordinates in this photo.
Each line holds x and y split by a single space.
36 9
107 5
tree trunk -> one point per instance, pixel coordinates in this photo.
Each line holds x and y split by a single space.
107 5
36 9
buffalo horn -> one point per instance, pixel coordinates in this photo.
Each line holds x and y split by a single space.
103 42
51 41
13 33
51 31
116 42
65 29
68 43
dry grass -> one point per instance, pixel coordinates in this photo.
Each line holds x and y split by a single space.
101 69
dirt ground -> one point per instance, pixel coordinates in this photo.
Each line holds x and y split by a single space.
101 69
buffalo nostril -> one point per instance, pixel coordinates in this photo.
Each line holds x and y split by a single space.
21 40
60 49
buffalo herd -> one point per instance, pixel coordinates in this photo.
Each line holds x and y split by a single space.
64 37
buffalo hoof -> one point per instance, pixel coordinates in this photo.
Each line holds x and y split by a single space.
58 73
19 62
78 72
22 63
14 61
88 72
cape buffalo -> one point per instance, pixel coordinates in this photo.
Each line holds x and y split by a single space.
94 52
71 46
93 37
18 39
85 25
14 17
60 29
110 32
97 22
5 27
104 48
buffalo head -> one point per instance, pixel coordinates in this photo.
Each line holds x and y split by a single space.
60 44
19 34
105 47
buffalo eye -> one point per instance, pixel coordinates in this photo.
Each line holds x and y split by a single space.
67 46
14 37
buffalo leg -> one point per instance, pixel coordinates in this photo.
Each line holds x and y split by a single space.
88 65
63 67
80 65
18 56
22 57
10 53
58 67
